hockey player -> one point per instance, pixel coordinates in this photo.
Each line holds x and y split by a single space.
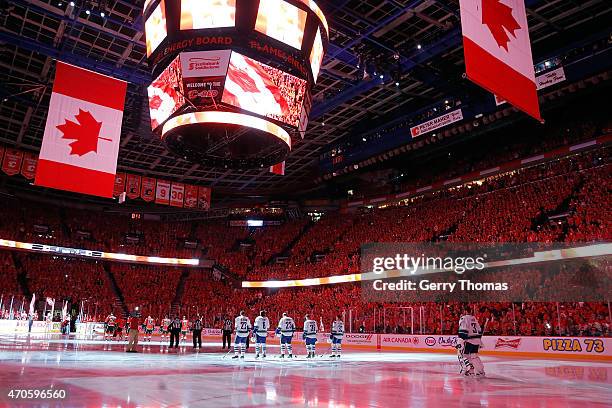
337 332
470 335
163 328
110 326
286 328
184 328
243 327
310 336
260 330
149 324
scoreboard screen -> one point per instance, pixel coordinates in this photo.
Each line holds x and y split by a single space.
166 94
316 55
282 21
200 14
155 28
264 90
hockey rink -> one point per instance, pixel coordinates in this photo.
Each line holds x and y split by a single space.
98 373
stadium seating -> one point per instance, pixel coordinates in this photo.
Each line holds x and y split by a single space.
559 201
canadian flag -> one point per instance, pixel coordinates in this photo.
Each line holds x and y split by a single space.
498 51
81 141
278 168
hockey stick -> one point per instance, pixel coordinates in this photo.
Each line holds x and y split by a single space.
228 351
327 351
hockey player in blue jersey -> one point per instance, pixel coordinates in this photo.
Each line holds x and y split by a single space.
337 332
260 330
286 328
310 336
242 326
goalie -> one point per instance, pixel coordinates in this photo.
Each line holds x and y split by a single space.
469 342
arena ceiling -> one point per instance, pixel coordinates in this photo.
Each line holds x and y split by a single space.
415 43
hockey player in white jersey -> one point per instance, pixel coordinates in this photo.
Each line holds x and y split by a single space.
242 326
286 328
310 336
469 342
337 333
260 330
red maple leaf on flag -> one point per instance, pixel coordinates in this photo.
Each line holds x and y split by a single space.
498 18
85 133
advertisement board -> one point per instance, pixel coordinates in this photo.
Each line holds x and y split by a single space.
436 123
204 75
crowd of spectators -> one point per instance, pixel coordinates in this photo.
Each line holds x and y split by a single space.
564 200
151 288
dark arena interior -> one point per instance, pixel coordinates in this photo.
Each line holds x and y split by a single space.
304 203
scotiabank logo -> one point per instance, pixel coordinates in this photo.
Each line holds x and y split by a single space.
430 341
507 343
204 63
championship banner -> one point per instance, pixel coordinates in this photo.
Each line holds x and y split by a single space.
81 140
436 123
177 194
191 196
162 192
204 195
12 161
119 184
498 51
132 188
28 167
147 190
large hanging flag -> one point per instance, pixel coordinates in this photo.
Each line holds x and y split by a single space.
498 51
81 141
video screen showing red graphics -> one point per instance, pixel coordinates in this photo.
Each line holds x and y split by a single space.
264 90
200 14
166 94
155 28
281 21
